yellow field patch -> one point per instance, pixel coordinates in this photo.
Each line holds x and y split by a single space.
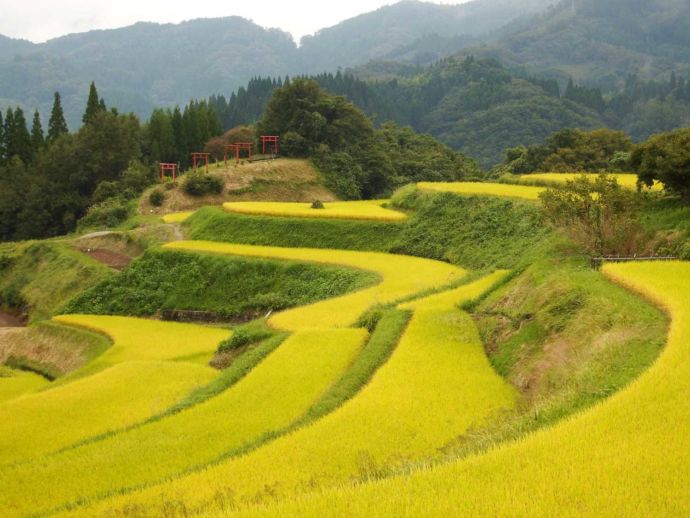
486 189
16 383
273 395
401 277
136 339
627 456
437 384
365 210
178 217
118 397
629 181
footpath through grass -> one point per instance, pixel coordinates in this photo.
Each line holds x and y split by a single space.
627 456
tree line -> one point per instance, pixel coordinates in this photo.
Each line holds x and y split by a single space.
51 180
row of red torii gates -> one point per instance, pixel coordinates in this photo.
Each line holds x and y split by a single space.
268 142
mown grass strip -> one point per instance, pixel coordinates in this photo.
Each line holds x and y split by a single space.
486 189
401 276
373 210
436 385
627 456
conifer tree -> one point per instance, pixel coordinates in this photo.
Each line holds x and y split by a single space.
2 140
20 138
57 125
93 105
37 137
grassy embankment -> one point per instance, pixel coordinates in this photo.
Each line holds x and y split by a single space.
222 288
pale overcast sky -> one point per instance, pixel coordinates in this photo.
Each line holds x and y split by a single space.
39 20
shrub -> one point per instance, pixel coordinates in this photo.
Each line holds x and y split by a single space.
109 213
198 183
157 197
317 204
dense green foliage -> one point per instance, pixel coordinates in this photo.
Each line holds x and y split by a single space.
200 183
224 287
475 232
601 215
357 160
571 151
666 158
48 185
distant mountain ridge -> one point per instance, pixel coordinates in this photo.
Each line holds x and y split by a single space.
150 65
146 65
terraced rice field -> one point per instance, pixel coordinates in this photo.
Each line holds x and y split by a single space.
113 399
625 457
358 210
137 339
629 181
16 383
271 397
103 441
487 189
436 385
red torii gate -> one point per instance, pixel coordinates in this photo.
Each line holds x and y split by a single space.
237 148
272 141
198 158
165 168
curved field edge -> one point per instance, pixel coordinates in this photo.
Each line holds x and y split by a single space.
624 455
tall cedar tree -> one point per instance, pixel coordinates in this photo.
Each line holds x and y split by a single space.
57 125
37 137
93 105
18 138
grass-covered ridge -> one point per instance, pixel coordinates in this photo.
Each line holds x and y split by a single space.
41 277
225 288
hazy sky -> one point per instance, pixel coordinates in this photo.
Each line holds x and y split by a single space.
39 20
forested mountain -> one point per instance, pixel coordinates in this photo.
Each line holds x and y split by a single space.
600 43
145 65
626 48
149 65
412 31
